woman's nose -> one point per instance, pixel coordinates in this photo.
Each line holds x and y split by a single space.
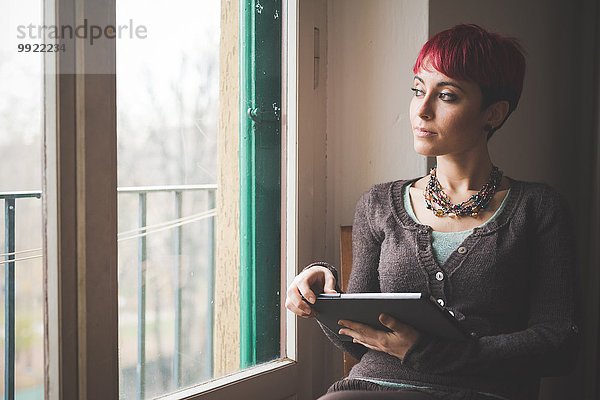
425 109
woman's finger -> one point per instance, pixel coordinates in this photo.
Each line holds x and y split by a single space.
349 332
301 312
358 338
363 329
366 344
296 304
329 283
406 332
306 292
362 332
392 323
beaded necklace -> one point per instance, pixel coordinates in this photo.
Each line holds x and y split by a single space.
434 194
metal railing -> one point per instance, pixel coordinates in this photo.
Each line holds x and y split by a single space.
140 234
10 202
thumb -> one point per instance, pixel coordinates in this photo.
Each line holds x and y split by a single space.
391 322
329 284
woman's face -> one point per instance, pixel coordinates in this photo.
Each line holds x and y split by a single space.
446 115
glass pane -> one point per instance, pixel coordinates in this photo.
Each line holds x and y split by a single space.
181 318
167 97
21 316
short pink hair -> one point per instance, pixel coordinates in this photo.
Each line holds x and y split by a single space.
469 52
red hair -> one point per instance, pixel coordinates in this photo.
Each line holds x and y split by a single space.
470 53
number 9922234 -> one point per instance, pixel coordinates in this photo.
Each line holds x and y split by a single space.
40 48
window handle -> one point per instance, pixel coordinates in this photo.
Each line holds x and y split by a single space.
258 115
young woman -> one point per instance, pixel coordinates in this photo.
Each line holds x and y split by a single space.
495 251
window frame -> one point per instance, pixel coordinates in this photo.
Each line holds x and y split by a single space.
79 196
80 220
260 188
80 209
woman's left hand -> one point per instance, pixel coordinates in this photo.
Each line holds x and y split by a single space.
395 343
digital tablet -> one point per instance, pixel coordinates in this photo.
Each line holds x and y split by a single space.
418 310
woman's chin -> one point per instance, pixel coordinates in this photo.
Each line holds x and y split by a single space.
424 150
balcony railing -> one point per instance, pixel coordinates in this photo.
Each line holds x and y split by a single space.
140 234
10 258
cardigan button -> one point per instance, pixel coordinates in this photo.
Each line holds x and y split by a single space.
575 328
462 250
439 276
474 334
441 302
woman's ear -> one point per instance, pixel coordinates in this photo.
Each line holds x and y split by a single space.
496 113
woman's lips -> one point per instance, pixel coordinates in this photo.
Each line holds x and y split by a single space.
420 132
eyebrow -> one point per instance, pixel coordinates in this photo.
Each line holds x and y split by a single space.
443 83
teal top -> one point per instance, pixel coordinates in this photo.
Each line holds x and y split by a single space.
444 243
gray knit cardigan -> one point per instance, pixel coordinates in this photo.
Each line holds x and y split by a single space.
511 283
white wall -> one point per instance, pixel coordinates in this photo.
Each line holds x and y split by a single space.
319 363
372 45
537 142
353 131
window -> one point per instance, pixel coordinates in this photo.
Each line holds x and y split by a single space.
168 185
132 181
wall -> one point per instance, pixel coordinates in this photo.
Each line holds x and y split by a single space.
536 142
355 116
372 46
541 141
317 360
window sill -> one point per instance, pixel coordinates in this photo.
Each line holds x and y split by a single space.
274 380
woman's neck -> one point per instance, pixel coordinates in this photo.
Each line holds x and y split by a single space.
459 175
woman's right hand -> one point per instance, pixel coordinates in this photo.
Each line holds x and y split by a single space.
305 287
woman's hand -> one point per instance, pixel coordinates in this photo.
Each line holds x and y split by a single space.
305 287
395 343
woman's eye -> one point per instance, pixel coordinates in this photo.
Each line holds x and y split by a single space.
447 96
418 92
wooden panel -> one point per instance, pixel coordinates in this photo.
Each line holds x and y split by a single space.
345 255
227 307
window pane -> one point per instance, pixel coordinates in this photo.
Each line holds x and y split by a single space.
167 91
22 318
181 318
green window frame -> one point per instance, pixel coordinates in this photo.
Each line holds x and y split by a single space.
260 181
